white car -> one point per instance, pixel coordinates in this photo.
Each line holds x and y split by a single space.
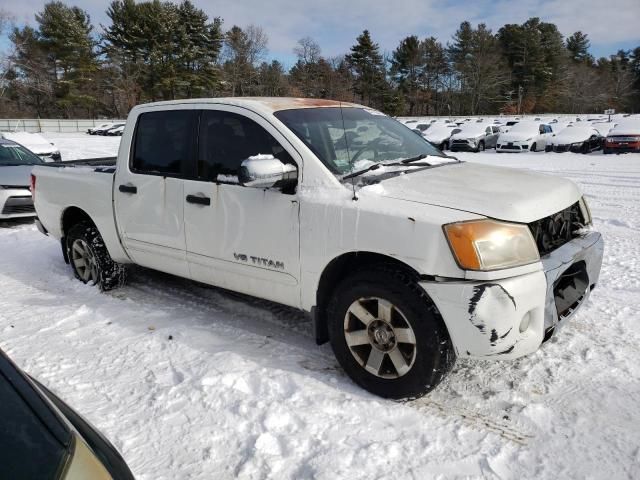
403 257
524 136
115 131
36 143
102 126
16 163
440 133
580 138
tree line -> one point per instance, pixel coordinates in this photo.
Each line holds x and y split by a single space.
155 50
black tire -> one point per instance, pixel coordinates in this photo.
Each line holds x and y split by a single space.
444 146
481 147
108 274
533 147
434 353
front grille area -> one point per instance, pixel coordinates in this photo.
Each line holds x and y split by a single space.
555 230
18 205
570 289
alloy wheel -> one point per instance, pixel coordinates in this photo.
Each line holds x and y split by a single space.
84 261
380 338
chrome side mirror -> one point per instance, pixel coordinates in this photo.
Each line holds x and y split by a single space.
266 171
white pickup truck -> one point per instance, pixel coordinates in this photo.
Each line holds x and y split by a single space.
405 258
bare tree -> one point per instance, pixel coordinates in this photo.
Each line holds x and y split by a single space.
307 50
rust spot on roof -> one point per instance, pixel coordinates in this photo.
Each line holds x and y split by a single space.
286 103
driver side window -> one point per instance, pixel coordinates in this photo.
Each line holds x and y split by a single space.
227 139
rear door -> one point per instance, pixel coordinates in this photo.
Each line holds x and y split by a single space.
242 238
149 189
492 137
545 136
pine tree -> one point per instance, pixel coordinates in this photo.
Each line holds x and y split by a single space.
578 45
65 33
482 74
407 70
435 73
367 67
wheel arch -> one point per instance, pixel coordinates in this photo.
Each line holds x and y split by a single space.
70 217
335 271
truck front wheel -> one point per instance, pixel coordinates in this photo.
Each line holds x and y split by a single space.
387 334
90 260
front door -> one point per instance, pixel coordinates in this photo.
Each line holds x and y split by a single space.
149 191
241 238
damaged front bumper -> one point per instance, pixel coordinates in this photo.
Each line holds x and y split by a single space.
512 317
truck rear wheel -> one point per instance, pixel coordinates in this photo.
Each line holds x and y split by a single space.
387 334
90 260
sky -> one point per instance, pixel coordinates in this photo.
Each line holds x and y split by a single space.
334 24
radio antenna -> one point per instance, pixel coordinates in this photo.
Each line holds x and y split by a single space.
346 142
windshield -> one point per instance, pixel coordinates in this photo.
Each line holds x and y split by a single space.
13 154
350 139
524 127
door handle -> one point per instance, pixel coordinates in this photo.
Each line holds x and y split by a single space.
128 189
198 200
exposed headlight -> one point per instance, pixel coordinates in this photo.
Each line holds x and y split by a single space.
491 245
586 213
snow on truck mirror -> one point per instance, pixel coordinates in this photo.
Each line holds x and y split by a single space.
266 171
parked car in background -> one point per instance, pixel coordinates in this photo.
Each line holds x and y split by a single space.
603 127
440 133
43 438
624 137
36 143
112 127
115 131
474 137
575 138
524 136
16 163
92 131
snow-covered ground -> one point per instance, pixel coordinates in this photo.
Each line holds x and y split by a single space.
192 382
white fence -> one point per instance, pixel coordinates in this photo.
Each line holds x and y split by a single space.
36 125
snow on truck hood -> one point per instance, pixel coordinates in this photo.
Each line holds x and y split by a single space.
17 176
502 193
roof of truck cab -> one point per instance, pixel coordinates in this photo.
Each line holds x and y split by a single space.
258 104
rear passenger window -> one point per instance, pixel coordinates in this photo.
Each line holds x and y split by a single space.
163 143
226 139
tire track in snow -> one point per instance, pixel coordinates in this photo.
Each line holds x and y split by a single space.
514 431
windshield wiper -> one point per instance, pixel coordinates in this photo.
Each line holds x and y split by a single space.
414 159
370 168
398 163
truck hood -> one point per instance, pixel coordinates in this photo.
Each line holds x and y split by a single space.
502 193
15 176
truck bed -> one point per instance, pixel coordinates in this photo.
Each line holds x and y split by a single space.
102 164
84 185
